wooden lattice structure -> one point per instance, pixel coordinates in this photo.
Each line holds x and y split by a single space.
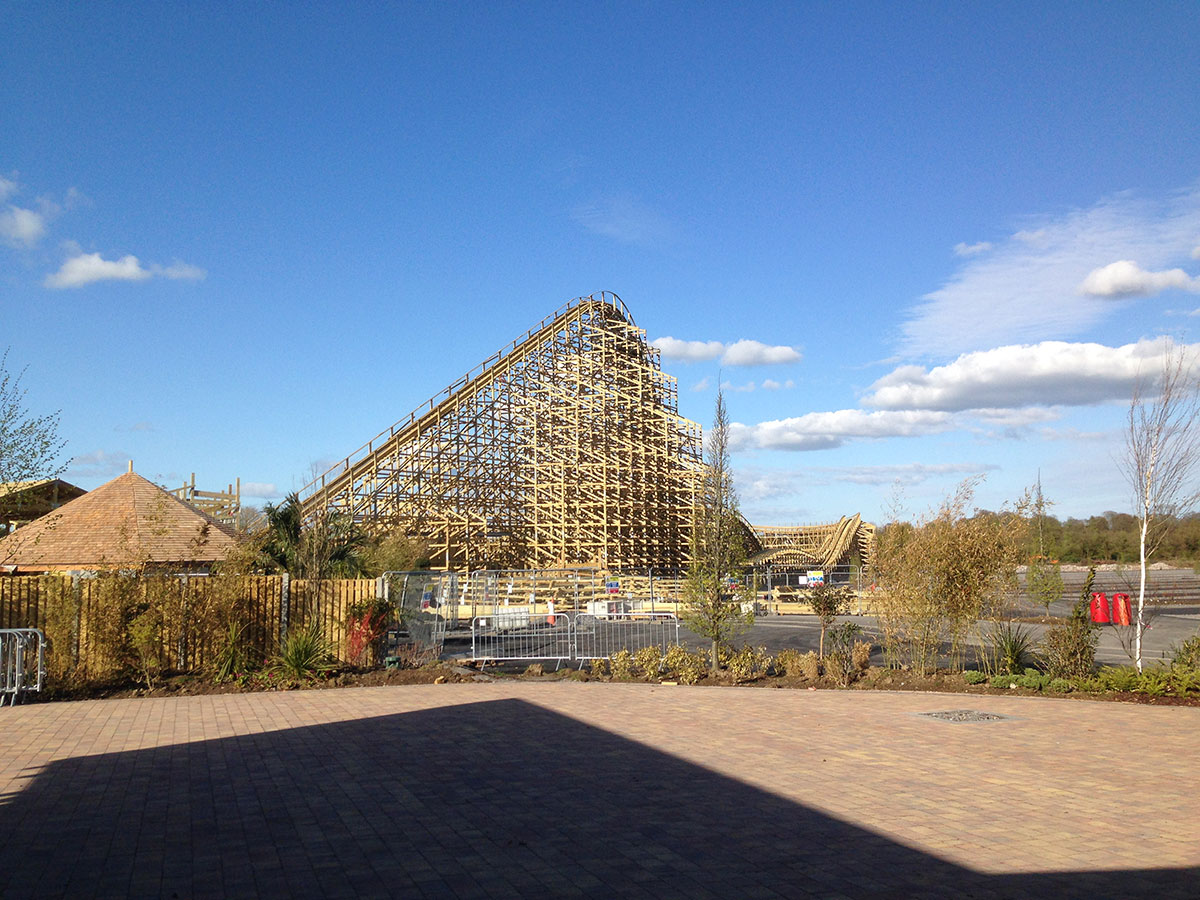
564 448
815 546
224 506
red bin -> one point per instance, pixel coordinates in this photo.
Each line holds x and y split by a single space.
1120 609
1100 607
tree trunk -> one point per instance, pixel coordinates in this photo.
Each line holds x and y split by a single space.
716 662
1137 652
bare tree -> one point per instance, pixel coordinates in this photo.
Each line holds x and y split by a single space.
29 445
1162 452
718 551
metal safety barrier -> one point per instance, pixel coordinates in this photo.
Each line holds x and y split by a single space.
520 633
22 662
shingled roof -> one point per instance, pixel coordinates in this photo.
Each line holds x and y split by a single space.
128 522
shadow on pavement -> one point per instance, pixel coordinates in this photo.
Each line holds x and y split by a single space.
492 799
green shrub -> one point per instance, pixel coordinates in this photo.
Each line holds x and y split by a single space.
1094 685
1007 649
1185 681
684 666
1187 654
1069 651
1118 678
599 667
861 654
1032 682
1003 681
748 663
971 676
232 656
304 654
1153 683
810 665
787 662
1059 686
649 660
621 664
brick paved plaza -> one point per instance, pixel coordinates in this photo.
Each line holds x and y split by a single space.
547 790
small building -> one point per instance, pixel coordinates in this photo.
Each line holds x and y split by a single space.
23 501
127 523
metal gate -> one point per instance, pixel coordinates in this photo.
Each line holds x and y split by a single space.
513 633
22 662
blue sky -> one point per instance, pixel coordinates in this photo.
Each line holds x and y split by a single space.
240 240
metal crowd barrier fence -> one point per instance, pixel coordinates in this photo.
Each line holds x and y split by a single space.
22 662
521 633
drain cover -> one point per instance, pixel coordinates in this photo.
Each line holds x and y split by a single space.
963 715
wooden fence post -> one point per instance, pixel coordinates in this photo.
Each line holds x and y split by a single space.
285 600
77 601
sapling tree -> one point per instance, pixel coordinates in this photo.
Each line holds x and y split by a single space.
29 444
828 601
718 550
1162 453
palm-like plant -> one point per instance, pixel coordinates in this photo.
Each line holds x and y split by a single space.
330 545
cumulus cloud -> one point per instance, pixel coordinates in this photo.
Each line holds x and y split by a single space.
1050 373
770 384
86 268
908 473
89 267
824 430
98 464
756 353
738 388
1125 278
739 353
259 490
689 351
22 227
961 249
1027 287
701 385
7 188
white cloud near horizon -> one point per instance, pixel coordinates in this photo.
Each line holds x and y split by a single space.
740 353
260 490
1027 287
1050 373
1125 278
824 430
87 268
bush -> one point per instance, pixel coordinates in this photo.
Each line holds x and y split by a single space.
1003 681
749 663
1034 682
1187 654
787 662
304 653
1153 683
971 676
621 664
649 660
599 667
810 665
1069 651
684 666
1059 686
840 662
861 654
1118 678
1007 648
366 626
232 655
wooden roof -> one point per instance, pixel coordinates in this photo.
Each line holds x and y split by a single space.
30 499
128 522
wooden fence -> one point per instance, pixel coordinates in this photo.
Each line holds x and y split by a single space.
88 621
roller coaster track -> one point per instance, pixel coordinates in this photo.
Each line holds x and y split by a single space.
815 546
566 447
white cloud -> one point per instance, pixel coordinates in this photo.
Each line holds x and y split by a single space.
180 270
908 473
89 267
738 388
259 490
961 249
1195 254
22 227
7 188
1026 288
690 351
1125 278
739 353
770 384
823 430
755 353
1050 373
86 268
624 218
701 385
98 464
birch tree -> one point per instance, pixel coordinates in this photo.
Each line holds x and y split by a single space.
1162 452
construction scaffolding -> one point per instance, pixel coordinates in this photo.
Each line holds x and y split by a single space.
565 448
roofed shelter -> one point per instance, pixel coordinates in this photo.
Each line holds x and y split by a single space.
127 523
24 501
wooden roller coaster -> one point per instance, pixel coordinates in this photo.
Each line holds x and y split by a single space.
564 448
